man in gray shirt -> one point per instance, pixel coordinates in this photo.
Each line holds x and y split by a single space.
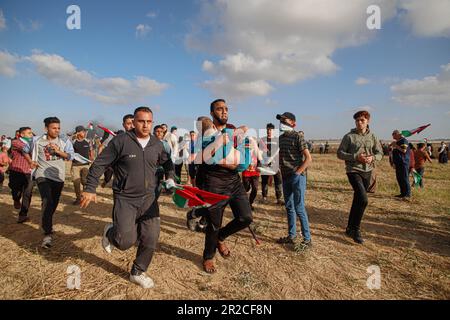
49 152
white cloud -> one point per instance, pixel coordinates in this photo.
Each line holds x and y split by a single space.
142 30
427 18
429 91
266 43
2 21
114 91
8 64
362 81
151 14
30 26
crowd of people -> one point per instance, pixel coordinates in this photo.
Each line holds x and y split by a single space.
146 161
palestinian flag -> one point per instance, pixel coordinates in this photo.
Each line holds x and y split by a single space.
408 133
188 197
107 130
417 178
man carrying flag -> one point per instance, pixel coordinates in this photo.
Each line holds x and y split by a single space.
134 156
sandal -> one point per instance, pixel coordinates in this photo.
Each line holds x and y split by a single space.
223 249
208 266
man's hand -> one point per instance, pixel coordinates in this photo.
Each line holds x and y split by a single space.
34 165
361 158
169 184
86 198
369 159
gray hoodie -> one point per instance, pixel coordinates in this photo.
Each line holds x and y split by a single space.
354 144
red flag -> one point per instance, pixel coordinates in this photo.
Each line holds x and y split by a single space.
107 130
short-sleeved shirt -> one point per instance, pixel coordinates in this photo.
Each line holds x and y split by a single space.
82 148
292 146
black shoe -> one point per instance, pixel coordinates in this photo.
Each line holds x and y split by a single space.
76 202
399 196
23 219
280 202
17 204
349 232
252 207
357 237
286 240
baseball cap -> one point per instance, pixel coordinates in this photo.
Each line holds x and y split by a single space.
286 115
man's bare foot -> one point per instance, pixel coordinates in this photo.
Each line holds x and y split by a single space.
223 249
208 266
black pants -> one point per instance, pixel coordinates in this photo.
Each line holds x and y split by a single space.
240 206
251 183
360 182
2 177
402 174
50 192
277 180
21 187
136 219
178 168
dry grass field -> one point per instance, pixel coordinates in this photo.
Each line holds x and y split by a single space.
409 241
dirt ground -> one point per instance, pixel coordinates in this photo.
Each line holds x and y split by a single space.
408 241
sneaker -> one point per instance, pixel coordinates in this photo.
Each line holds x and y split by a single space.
23 219
47 242
17 204
191 221
107 246
143 280
303 245
286 240
280 202
76 202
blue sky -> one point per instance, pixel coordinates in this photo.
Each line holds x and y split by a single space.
262 60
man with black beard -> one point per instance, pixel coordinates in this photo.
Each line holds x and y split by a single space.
223 179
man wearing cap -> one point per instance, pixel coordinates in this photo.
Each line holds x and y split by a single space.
400 160
269 145
80 168
294 160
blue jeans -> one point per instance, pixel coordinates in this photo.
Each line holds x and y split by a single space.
294 188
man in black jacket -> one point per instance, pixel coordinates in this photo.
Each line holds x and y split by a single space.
223 179
134 157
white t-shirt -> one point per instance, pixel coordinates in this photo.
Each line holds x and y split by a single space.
144 141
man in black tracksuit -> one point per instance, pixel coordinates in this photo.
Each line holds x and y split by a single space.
225 180
134 157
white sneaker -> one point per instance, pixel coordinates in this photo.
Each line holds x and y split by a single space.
107 246
47 242
143 280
